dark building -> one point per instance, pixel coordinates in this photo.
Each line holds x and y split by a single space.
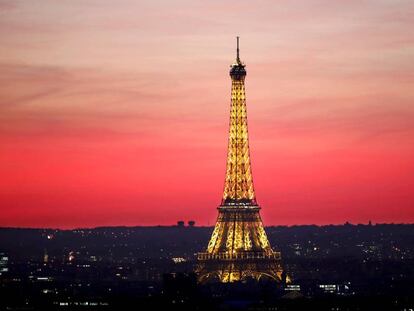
353 267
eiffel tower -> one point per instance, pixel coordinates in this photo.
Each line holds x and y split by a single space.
238 247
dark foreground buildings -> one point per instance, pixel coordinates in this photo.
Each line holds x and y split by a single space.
349 267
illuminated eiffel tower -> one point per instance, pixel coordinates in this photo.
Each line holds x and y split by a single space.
238 247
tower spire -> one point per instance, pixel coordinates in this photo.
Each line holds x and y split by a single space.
238 51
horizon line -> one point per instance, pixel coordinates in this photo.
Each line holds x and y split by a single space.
204 226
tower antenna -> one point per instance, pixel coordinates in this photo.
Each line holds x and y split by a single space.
238 57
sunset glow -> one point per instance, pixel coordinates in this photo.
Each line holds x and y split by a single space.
116 113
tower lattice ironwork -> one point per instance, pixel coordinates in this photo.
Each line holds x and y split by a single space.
238 248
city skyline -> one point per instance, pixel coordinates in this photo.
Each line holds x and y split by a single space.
117 115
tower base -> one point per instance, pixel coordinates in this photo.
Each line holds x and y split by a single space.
224 268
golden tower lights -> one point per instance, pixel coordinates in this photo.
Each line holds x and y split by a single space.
238 248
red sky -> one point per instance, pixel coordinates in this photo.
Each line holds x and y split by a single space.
116 113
